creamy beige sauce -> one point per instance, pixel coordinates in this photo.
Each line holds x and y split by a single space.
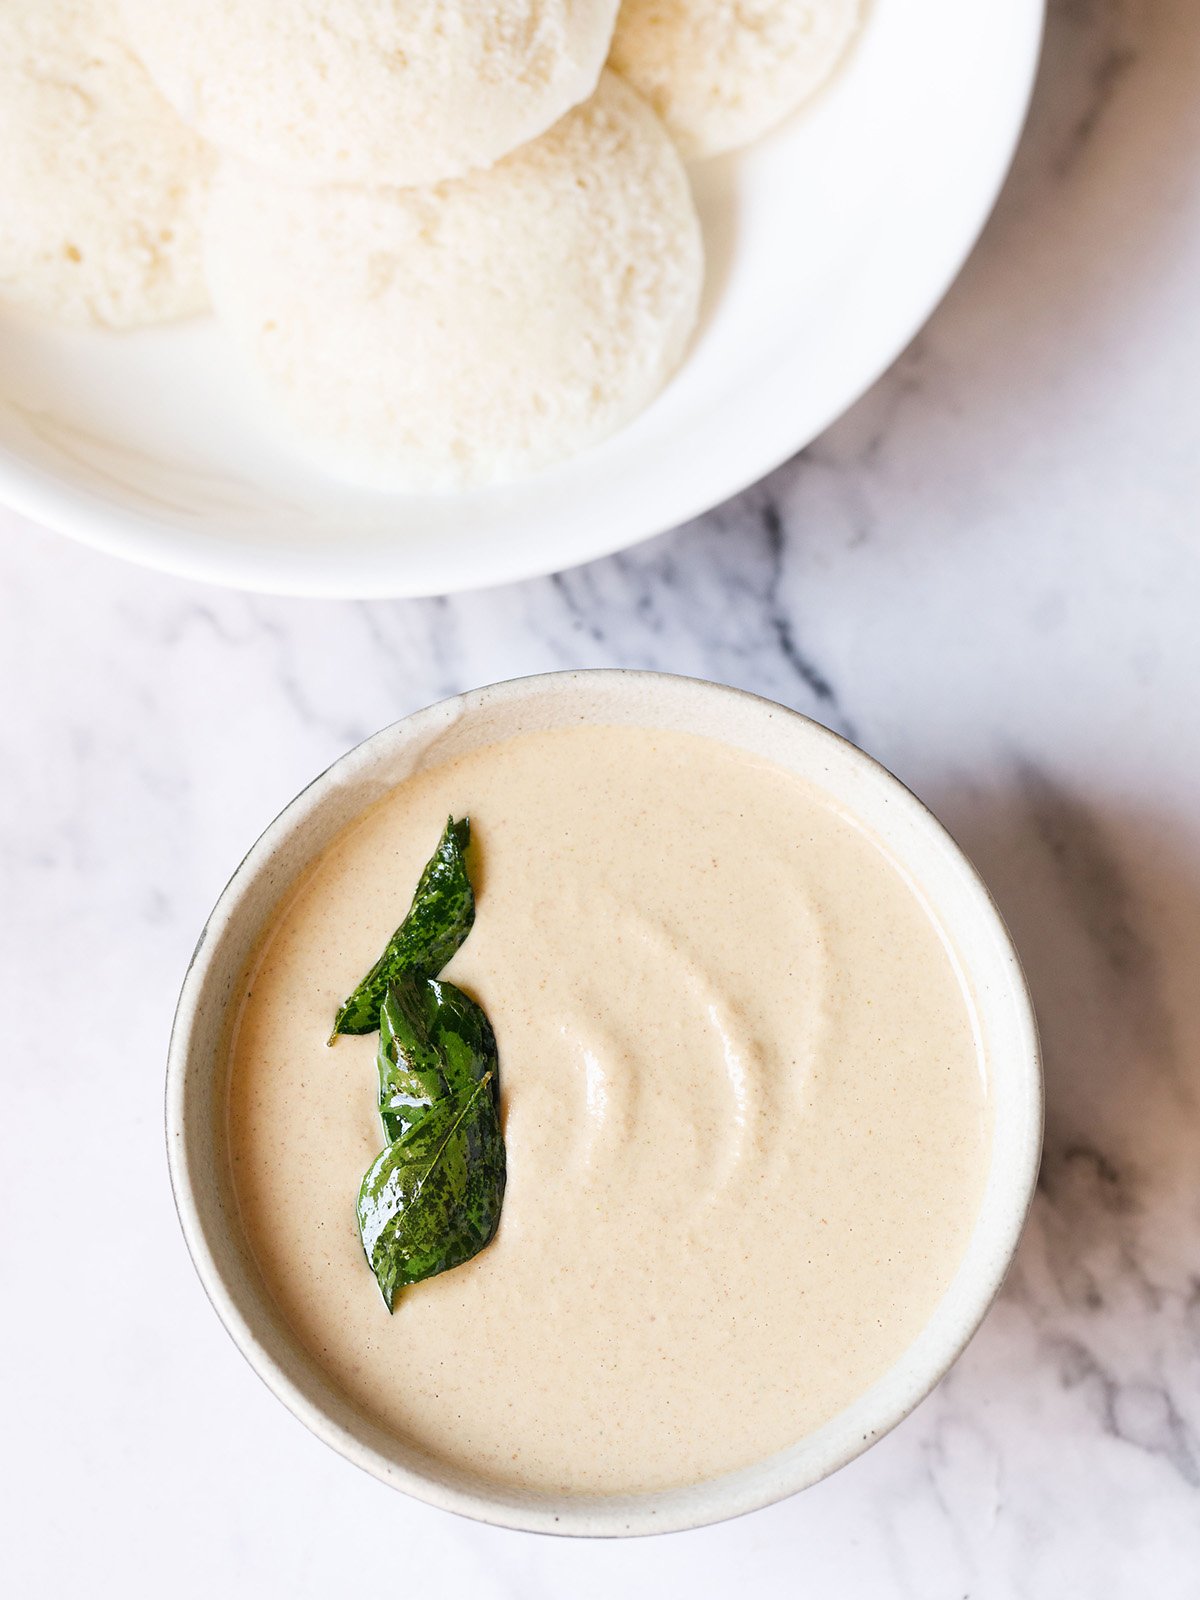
744 1107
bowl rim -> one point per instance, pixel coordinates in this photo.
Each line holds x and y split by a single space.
592 1516
78 512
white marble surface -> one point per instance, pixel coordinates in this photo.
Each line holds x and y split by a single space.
989 575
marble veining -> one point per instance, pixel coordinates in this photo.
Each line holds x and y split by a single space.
987 574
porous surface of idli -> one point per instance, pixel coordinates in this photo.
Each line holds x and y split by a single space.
372 91
477 330
102 187
720 73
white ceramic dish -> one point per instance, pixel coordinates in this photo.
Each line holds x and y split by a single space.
196 1078
828 245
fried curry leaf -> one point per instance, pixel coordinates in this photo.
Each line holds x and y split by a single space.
439 919
432 1199
434 1041
410 1080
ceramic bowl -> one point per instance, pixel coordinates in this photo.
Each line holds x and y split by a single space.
828 244
197 1066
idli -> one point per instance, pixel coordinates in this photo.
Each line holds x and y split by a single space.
722 72
372 91
477 330
102 187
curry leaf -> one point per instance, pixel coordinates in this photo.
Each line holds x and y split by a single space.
433 1042
432 1199
410 1081
439 919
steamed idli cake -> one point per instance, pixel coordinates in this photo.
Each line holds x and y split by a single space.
372 91
477 330
722 72
102 187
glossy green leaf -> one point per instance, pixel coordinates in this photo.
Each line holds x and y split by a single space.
434 1041
410 1081
439 919
432 1199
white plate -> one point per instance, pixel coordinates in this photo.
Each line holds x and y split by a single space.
828 245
